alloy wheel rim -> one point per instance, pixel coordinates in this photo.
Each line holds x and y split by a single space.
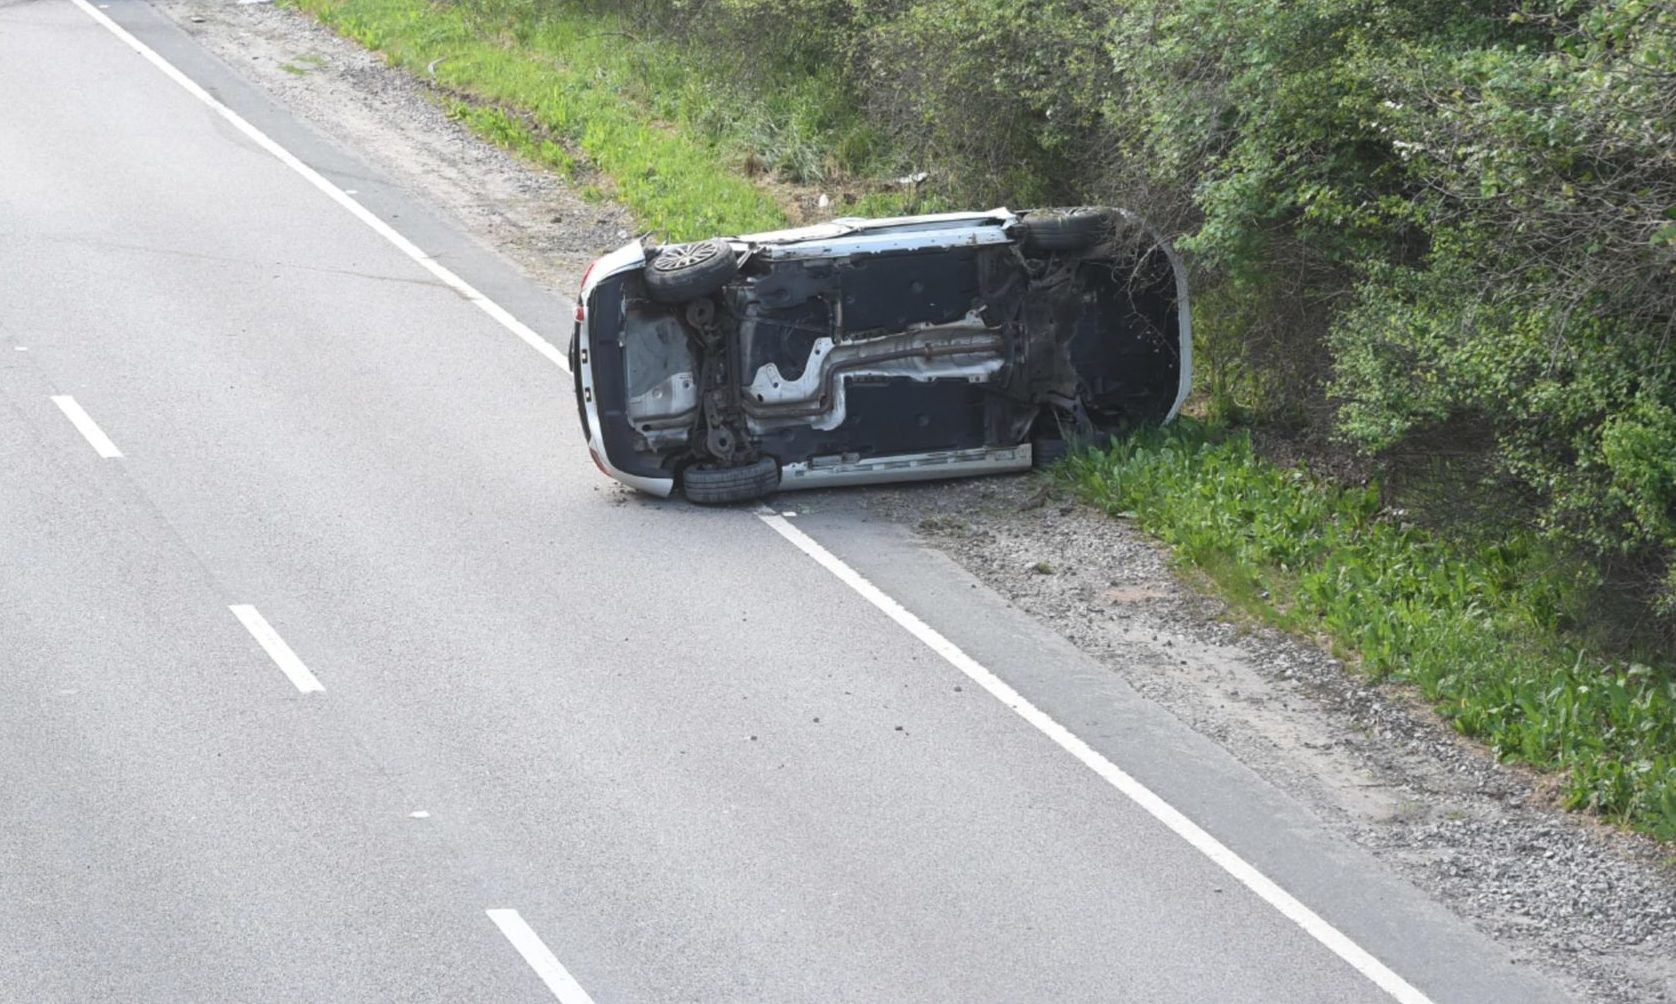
688 255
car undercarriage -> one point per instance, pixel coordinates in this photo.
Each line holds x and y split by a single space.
951 343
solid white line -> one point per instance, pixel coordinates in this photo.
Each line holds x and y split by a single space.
529 945
85 425
336 194
276 648
1243 871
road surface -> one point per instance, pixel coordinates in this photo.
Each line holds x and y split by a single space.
334 671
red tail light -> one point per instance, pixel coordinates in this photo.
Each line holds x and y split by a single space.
582 290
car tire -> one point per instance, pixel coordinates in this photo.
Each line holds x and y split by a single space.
707 485
682 272
1045 451
1049 230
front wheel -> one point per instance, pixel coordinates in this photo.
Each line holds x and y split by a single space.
683 272
1049 230
1045 451
706 484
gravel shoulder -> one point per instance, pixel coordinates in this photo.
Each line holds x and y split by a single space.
1594 906
1590 904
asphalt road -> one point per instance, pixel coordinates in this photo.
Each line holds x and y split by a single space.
697 764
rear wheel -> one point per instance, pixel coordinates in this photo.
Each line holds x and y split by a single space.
1045 451
1048 230
683 272
707 484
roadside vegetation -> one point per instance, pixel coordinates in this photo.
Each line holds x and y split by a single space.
1479 625
632 115
1433 249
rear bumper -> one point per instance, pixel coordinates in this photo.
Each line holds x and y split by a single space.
585 352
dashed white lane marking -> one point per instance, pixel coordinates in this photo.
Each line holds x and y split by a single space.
85 425
513 926
336 194
546 966
276 648
1243 871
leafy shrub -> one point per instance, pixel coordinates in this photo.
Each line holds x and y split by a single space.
1543 305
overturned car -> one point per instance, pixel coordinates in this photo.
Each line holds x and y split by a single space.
865 351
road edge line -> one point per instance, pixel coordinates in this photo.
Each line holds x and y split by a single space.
443 274
1154 805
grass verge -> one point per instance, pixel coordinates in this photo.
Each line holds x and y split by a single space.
658 130
1477 627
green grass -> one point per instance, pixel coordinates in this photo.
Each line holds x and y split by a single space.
1476 626
515 132
648 123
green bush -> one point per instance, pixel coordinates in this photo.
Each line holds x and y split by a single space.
1475 626
1542 306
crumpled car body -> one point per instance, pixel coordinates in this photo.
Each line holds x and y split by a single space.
868 351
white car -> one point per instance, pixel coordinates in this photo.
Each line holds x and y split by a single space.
866 351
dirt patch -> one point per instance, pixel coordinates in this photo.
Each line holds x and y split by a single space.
1593 906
